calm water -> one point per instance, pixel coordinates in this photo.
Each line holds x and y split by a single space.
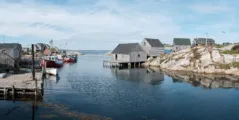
87 90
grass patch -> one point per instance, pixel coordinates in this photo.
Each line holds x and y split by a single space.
220 46
228 66
224 66
231 52
235 64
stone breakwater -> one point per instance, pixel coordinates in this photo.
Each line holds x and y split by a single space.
198 60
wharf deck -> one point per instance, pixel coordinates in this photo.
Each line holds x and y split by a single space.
20 84
121 64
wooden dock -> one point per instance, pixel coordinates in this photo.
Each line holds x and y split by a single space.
120 64
21 84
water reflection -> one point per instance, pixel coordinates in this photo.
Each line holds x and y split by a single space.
204 80
54 79
30 102
151 76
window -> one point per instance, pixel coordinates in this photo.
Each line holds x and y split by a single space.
144 43
138 55
116 57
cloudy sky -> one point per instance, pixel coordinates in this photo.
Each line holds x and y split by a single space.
102 24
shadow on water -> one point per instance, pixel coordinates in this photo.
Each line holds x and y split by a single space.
52 110
31 102
41 108
152 76
208 81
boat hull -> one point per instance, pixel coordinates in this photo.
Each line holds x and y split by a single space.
52 71
51 64
69 60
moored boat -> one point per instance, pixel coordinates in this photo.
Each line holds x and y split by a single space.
75 57
51 62
69 59
60 58
52 71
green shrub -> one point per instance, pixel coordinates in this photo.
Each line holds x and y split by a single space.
235 48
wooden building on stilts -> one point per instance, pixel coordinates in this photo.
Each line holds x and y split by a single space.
127 55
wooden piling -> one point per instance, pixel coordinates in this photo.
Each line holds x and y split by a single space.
33 63
129 65
33 69
13 93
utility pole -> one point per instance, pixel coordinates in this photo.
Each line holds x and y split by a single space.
3 39
33 63
33 69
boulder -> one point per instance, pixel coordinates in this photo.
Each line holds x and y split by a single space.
199 60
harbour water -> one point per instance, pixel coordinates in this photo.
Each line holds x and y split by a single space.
87 90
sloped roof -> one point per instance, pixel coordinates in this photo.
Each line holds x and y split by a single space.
127 48
204 39
154 42
9 45
182 41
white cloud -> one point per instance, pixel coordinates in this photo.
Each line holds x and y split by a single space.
103 24
104 21
211 8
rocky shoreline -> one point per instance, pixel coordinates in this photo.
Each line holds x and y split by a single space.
198 60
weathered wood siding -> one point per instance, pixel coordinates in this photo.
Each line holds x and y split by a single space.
180 47
139 56
7 58
146 46
121 57
156 51
151 51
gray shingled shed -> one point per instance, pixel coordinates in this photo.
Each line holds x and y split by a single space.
129 52
203 41
181 43
10 56
153 47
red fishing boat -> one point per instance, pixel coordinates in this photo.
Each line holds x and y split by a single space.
51 62
69 59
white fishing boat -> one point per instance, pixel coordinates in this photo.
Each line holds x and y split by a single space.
52 71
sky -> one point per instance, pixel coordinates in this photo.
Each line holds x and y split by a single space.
102 24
